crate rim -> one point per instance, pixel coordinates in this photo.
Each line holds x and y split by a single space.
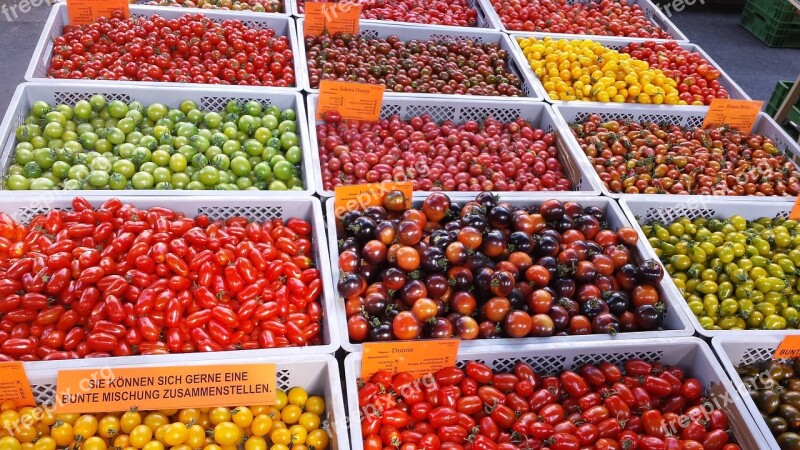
330 317
687 329
14 105
589 178
644 246
720 345
59 10
502 38
352 360
734 90
763 120
669 27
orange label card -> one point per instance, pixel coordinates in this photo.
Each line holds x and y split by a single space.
14 384
738 114
331 18
789 348
84 12
120 389
418 357
362 196
354 101
794 214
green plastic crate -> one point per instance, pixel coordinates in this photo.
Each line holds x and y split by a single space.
771 32
778 95
777 10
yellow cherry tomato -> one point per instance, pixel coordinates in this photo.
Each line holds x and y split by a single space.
189 415
219 415
62 433
315 404
261 425
153 445
242 416
123 440
9 419
297 396
155 420
94 443
281 399
108 426
141 435
48 417
227 433
299 447
255 443
259 409
281 436
195 437
317 440
279 447
85 426
176 433
8 404
309 421
274 414
69 418
129 421
299 434
10 443
45 443
212 447
291 414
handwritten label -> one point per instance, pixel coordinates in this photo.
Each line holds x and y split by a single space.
789 348
14 384
84 12
418 357
362 196
331 18
354 101
738 114
151 388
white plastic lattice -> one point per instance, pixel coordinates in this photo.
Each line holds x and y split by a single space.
219 103
70 98
548 365
252 213
616 358
669 215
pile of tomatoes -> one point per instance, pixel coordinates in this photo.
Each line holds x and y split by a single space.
473 156
697 79
119 281
269 6
487 269
294 421
189 49
636 405
436 12
600 18
466 67
651 158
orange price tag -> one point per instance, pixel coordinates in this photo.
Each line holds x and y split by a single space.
331 18
794 214
418 357
362 196
84 12
149 388
354 101
738 114
789 348
14 384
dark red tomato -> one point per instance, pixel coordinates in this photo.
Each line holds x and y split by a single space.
573 384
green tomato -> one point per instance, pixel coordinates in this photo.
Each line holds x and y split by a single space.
124 167
40 108
142 180
195 186
66 111
115 136
25 133
148 167
156 111
55 117
287 126
277 186
262 135
288 140
117 109
32 170
98 178
262 171
103 146
23 156
187 130
269 153
180 180
178 162
252 108
247 124
293 155
253 147
141 155
162 174
101 163
212 152
243 183
295 184
233 107
209 176
16 182
78 172
73 185
60 169
117 182
187 105
212 120
270 122
98 102
289 114
283 170
14 169
240 166
83 110
164 186
221 162
231 146
135 115
176 116
160 157
54 130
42 184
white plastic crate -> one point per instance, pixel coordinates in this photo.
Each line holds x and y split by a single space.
378 30
318 374
675 323
483 21
206 97
734 91
475 108
284 5
255 208
691 354
283 25
665 209
685 116
650 10
741 349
